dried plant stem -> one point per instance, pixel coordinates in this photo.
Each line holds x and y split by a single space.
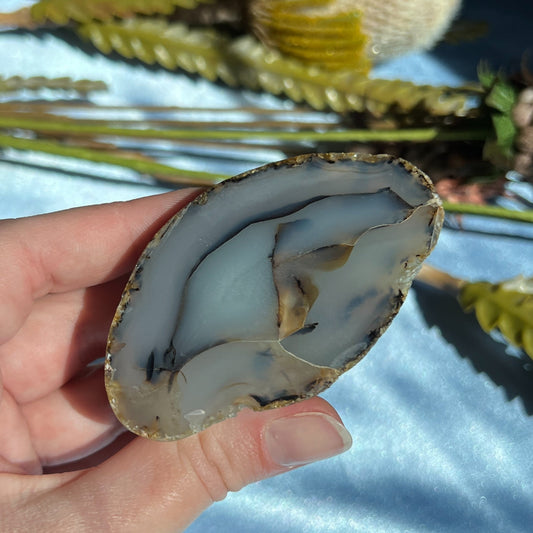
359 135
440 280
163 172
190 177
28 113
20 19
75 104
489 211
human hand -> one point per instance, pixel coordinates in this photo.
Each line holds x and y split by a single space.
66 463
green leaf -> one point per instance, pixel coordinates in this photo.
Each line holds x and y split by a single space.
506 131
507 306
502 96
485 75
500 99
62 11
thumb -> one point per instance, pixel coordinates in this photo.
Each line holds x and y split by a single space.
165 486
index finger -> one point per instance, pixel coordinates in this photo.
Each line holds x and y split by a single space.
75 248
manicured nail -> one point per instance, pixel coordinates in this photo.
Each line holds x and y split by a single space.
305 438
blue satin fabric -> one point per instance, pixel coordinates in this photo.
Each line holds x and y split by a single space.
441 414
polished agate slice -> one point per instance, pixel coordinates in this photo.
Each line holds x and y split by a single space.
266 288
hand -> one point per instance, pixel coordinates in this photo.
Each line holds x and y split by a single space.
65 461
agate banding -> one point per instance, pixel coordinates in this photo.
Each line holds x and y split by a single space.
266 288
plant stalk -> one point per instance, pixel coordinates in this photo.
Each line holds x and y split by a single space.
353 135
191 177
20 19
440 280
489 211
158 170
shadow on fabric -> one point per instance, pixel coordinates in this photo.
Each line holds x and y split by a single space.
486 355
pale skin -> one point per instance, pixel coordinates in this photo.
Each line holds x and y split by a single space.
61 278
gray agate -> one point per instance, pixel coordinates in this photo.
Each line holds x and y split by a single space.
266 288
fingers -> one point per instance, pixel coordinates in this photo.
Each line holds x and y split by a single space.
17 454
72 422
73 249
165 486
71 329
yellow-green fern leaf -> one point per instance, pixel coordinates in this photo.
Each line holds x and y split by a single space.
247 62
35 83
345 90
507 306
170 45
62 11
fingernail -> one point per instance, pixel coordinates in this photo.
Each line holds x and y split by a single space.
305 438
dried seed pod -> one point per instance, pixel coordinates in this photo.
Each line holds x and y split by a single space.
266 288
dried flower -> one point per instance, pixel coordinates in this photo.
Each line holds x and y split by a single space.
523 119
348 33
